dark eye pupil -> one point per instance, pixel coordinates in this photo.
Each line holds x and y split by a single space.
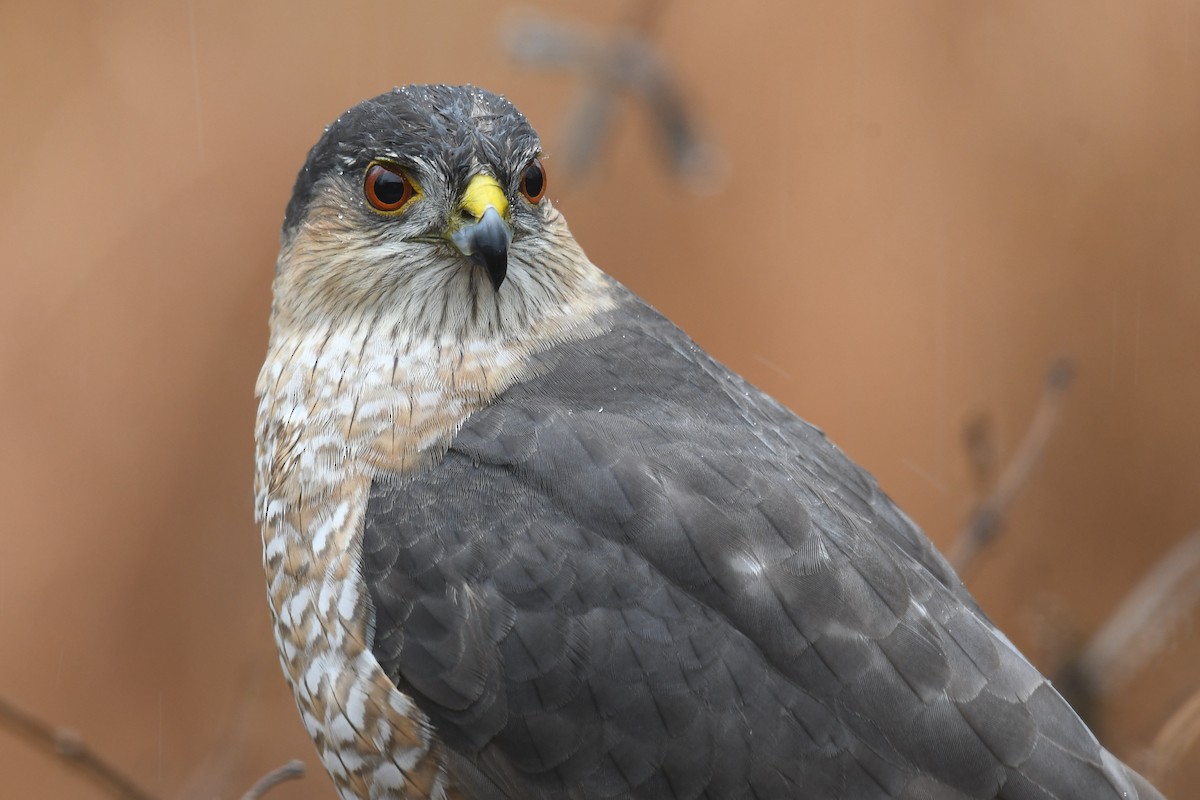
389 187
534 179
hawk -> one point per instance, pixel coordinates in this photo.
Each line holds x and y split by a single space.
525 539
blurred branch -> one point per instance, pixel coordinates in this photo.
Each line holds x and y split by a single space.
980 440
1174 740
1144 622
288 772
212 773
645 15
70 748
625 62
986 521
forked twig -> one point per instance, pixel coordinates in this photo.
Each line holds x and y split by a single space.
624 63
70 748
288 772
988 517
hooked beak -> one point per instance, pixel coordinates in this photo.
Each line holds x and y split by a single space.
482 234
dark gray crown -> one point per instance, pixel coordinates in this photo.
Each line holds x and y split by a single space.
449 127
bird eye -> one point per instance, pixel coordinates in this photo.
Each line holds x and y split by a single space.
533 181
387 188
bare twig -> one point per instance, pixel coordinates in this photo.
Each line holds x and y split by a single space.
980 440
1175 740
211 774
625 62
986 522
645 16
69 747
288 772
1142 625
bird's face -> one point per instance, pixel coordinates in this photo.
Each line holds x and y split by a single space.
426 204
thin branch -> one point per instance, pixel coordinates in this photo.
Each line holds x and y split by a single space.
645 16
625 62
1142 625
70 748
980 441
988 518
1175 740
288 772
207 778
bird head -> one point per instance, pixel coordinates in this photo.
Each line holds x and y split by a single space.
429 203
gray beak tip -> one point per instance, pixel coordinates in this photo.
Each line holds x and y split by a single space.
485 242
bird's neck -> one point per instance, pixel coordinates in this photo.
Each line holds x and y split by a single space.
339 404
343 399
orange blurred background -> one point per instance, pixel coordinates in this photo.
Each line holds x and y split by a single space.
922 204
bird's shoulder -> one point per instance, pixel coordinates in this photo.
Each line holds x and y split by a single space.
642 403
633 554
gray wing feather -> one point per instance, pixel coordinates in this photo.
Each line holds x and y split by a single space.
636 575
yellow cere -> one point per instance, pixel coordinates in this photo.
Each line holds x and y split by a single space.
484 191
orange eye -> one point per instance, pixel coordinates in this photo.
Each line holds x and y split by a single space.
533 181
387 188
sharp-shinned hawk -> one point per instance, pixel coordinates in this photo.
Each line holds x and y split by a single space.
525 539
